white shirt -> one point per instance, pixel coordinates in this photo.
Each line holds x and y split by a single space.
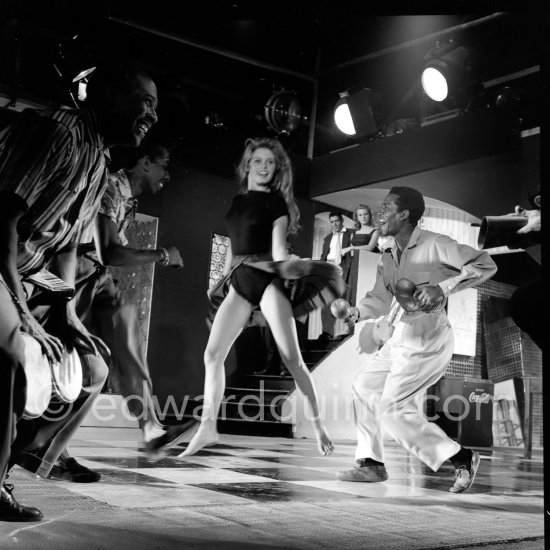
335 251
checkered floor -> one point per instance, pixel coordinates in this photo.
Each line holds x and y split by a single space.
272 492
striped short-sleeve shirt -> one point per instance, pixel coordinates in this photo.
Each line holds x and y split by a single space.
56 163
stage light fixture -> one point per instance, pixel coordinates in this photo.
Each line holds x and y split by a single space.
72 64
282 112
82 80
447 72
353 112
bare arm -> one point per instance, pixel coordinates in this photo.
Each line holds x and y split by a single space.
278 239
113 252
65 264
11 210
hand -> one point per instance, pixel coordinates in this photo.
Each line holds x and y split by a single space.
346 250
78 335
174 258
533 220
429 297
51 346
352 318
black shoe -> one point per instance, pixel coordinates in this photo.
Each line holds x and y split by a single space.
157 446
70 470
284 372
11 510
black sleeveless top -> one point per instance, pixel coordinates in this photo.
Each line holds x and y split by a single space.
250 221
361 239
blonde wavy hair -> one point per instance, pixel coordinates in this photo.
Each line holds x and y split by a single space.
356 209
282 182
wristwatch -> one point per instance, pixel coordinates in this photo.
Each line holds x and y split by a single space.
165 260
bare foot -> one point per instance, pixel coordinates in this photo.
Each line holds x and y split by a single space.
203 438
324 442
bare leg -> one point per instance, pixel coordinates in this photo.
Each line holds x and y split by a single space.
228 323
278 313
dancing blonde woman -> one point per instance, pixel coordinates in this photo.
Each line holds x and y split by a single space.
261 217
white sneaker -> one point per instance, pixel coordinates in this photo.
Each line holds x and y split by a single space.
464 477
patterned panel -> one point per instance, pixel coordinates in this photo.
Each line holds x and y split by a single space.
506 356
218 251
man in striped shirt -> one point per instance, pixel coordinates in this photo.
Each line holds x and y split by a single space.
52 175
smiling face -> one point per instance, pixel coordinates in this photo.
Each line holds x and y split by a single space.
363 216
132 114
157 172
261 168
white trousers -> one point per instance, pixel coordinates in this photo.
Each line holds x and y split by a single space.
388 393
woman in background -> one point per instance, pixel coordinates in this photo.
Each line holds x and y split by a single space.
364 239
261 217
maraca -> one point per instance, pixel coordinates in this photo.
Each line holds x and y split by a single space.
405 287
341 309
405 290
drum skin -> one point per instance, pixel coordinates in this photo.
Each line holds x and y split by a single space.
39 378
67 377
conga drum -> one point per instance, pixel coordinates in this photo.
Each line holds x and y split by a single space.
39 378
67 377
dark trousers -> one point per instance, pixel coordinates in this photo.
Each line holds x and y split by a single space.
104 312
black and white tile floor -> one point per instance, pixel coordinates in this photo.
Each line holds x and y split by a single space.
252 492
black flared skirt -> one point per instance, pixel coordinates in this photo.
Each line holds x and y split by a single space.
308 284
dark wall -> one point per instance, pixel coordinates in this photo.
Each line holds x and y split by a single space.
189 210
488 185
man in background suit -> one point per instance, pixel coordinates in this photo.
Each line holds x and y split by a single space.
333 245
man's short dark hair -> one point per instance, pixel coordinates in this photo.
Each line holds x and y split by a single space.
113 75
336 214
150 149
409 199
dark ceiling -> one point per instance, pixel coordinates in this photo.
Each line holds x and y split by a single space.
227 57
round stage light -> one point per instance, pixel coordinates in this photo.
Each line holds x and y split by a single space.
342 118
435 84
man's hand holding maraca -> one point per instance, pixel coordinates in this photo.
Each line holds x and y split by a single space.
342 310
413 298
429 297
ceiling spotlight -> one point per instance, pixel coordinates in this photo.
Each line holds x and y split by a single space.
282 112
447 71
72 64
353 112
82 79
